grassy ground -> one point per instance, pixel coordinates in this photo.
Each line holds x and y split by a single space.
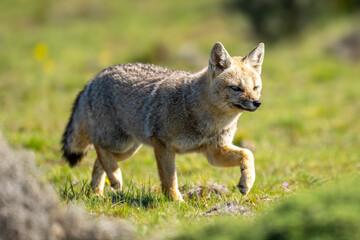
306 131
318 214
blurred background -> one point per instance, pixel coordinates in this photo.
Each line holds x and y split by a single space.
307 126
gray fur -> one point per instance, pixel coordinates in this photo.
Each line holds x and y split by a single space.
129 103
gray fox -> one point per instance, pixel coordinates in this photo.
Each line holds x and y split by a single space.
128 105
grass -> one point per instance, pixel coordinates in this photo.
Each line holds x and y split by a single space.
320 214
306 132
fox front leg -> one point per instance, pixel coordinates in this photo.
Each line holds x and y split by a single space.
247 178
231 156
165 158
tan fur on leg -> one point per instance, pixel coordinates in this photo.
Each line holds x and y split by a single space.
230 156
165 158
98 178
109 163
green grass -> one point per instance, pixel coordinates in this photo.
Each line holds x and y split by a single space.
306 132
320 214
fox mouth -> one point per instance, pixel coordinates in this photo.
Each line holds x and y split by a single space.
248 105
243 108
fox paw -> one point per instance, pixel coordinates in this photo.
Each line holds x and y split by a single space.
175 195
246 183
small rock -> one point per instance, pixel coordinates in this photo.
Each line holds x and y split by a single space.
210 189
232 208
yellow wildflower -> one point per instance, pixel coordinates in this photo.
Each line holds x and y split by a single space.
40 51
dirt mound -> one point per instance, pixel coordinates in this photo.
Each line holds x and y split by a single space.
205 191
30 211
232 208
348 47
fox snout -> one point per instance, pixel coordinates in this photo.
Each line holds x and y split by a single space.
251 106
256 103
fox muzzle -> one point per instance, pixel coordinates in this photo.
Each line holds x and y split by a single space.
248 105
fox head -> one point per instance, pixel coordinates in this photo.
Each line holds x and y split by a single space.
235 83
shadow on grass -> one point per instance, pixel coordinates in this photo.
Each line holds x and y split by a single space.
142 197
74 190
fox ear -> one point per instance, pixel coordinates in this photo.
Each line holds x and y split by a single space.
219 58
255 57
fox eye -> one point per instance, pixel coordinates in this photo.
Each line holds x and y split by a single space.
236 89
256 88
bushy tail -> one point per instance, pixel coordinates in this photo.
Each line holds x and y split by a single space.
75 141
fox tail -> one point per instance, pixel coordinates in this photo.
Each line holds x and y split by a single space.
75 139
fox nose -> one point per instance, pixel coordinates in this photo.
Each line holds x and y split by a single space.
256 103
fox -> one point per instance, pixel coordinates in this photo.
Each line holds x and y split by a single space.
129 105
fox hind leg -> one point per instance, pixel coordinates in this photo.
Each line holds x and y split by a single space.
106 163
109 164
98 178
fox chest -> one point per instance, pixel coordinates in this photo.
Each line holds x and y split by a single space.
192 137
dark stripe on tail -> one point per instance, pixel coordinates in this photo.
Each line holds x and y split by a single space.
71 157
